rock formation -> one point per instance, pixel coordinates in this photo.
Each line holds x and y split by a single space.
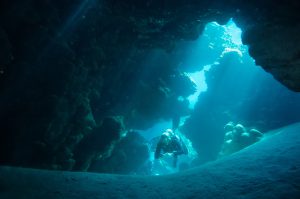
68 65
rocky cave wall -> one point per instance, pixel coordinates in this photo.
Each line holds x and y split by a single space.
72 71
240 93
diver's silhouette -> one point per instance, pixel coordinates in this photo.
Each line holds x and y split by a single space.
169 142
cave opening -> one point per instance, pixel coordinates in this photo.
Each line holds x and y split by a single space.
231 90
215 41
87 87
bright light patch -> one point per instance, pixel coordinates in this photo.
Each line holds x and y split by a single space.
199 79
234 33
231 40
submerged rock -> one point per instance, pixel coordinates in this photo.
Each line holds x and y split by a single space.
275 47
99 142
238 137
237 91
129 156
69 64
267 169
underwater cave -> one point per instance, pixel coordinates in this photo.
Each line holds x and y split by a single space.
149 99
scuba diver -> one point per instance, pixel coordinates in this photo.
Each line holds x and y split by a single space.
169 142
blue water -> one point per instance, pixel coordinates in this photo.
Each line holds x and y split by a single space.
229 39
249 92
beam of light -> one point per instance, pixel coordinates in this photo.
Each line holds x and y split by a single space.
230 40
78 14
199 79
234 33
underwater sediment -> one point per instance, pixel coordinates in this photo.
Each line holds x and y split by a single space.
271 172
